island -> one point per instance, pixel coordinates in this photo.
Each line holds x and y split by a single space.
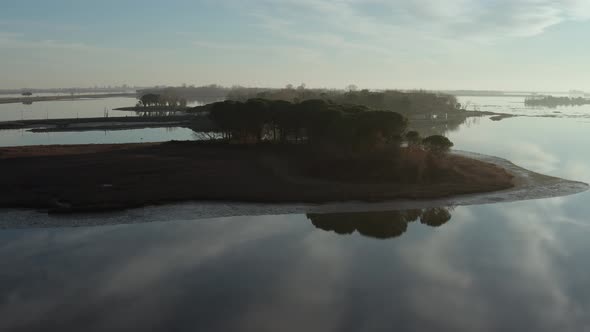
554 102
261 150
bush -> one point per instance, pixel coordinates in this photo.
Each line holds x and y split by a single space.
437 144
413 138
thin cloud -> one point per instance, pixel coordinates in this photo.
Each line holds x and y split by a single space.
470 19
51 26
302 53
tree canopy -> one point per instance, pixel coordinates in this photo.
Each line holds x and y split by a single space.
312 121
407 103
162 100
437 144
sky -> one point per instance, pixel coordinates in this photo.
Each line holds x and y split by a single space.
530 45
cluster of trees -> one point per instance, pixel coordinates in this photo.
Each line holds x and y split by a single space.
414 103
380 225
550 101
317 122
342 142
161 100
435 144
289 93
204 94
407 103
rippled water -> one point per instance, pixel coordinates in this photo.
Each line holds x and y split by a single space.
518 266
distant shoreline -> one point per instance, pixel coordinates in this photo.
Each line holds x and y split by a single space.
155 109
15 100
110 123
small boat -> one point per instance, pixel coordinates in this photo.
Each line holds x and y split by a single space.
27 93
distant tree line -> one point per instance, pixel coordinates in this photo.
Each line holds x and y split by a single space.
203 94
407 103
550 101
161 100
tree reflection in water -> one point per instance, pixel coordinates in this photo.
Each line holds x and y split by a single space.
381 224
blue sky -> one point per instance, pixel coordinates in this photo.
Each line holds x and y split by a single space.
432 44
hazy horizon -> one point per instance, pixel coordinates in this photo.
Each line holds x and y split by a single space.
344 88
531 45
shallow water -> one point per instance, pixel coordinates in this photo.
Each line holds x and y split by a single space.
64 109
22 137
82 108
57 94
285 273
61 109
515 105
518 266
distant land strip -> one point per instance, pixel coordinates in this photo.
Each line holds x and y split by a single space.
14 100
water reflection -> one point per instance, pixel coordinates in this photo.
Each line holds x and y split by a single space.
159 113
516 105
280 273
442 125
78 108
380 224
21 137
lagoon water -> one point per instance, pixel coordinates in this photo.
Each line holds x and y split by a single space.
23 137
518 266
82 108
78 108
515 105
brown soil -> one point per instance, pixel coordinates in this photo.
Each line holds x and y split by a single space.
107 177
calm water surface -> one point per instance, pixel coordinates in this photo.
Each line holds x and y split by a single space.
503 267
79 108
56 94
85 108
515 105
22 137
61 109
